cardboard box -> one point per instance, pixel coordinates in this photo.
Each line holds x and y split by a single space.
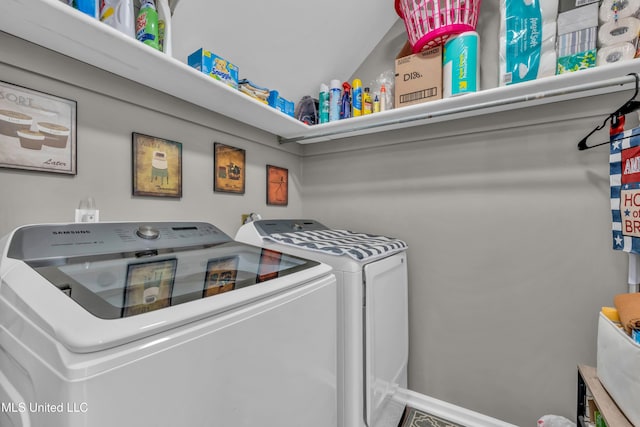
617 362
214 66
419 77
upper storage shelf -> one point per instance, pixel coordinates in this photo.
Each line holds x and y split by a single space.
54 25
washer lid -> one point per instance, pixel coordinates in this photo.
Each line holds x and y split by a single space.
126 284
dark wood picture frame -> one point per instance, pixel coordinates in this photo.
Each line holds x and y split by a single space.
277 186
157 166
229 164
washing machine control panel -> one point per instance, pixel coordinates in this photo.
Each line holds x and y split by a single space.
48 242
276 226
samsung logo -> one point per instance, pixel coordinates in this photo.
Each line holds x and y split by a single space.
56 233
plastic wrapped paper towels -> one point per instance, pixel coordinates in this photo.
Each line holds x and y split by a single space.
527 40
610 10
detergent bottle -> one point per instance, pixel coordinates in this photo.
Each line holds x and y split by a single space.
345 102
367 103
356 95
119 15
147 24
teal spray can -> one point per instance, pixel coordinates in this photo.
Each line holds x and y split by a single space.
323 101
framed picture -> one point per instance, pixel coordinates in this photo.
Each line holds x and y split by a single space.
269 265
277 186
228 169
221 276
37 130
148 286
157 167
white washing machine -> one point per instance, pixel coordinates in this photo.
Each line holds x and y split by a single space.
162 324
373 334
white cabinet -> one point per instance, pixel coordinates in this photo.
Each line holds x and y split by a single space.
54 25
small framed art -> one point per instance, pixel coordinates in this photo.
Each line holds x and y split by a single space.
149 286
157 167
228 169
221 276
37 130
277 186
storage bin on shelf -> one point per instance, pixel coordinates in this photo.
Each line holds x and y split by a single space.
431 22
618 359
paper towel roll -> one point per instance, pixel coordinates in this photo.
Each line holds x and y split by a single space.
615 53
625 30
625 9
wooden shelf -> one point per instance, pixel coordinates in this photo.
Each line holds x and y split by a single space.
56 26
608 408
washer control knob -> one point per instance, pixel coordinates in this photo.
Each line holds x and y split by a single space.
147 232
297 226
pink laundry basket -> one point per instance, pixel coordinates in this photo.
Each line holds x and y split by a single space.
431 22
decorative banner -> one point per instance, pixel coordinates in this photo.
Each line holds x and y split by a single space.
624 162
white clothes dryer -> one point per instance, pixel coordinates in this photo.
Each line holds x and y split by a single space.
373 333
162 324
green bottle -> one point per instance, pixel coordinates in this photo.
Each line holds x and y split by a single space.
147 24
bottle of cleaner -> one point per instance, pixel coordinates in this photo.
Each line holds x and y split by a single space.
334 101
147 24
356 95
119 15
383 98
376 103
345 102
367 104
164 26
323 101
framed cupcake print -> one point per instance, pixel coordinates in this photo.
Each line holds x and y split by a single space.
37 130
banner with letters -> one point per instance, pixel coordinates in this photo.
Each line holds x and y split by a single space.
624 177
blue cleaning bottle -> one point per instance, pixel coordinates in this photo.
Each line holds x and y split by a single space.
345 102
334 101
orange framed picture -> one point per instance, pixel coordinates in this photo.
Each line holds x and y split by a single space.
228 169
277 186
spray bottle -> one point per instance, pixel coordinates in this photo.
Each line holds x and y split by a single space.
334 101
345 102
323 101
119 15
147 24
356 94
383 98
164 26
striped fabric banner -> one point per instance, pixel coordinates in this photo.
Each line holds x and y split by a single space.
624 178
359 246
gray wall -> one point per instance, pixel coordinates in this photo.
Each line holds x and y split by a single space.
109 110
510 258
